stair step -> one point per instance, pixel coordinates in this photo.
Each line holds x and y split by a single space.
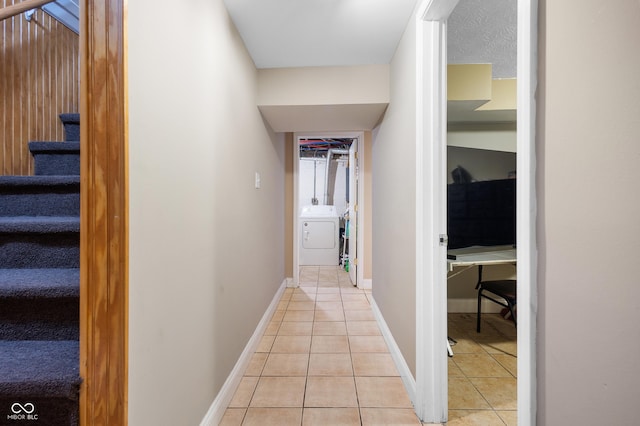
44 374
42 282
54 147
40 319
39 304
39 242
40 285
26 365
56 158
39 195
42 181
39 224
71 123
70 118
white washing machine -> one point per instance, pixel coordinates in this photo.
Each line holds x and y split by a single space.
319 236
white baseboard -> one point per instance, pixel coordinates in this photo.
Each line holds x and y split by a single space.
471 306
219 405
367 284
405 373
290 282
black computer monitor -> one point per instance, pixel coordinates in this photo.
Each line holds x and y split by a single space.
481 213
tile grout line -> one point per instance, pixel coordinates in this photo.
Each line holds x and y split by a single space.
306 379
353 371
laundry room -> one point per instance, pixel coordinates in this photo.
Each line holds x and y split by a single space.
323 200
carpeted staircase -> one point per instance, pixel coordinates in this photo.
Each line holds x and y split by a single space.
39 286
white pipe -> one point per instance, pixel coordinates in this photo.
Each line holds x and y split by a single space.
326 175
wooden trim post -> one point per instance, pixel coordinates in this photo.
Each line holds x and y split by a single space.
103 215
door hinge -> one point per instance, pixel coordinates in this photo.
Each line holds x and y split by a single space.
355 208
444 239
355 261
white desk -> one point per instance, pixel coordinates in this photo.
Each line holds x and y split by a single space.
480 255
469 257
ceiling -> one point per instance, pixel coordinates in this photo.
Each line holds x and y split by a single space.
484 32
305 33
314 147
301 33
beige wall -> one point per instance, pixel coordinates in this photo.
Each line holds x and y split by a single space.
491 136
323 98
206 247
363 84
588 210
394 207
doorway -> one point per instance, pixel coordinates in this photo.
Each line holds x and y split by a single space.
327 182
431 369
480 181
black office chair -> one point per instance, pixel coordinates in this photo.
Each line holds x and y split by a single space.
504 289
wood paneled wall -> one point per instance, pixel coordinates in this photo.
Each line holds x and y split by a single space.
39 79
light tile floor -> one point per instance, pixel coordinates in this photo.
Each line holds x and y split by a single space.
482 372
323 361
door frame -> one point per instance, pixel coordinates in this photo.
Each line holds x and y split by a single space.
359 136
354 228
431 293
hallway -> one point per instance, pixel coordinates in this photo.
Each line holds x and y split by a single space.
322 361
